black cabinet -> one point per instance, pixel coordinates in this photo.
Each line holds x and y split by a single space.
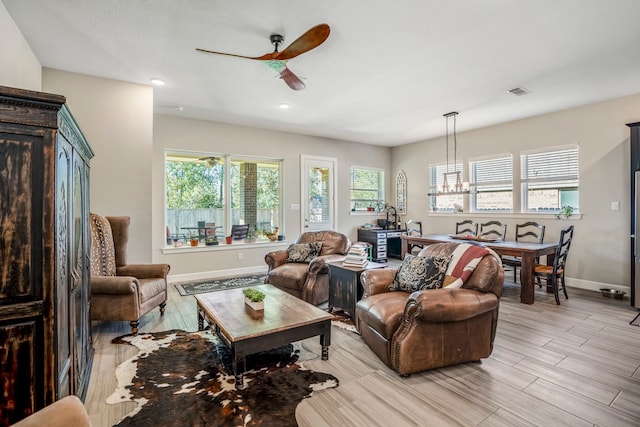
386 243
45 327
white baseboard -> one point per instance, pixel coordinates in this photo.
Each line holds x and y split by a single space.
216 273
594 286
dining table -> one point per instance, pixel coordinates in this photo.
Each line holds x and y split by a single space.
527 251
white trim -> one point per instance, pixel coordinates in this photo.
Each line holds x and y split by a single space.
593 286
171 250
214 274
517 215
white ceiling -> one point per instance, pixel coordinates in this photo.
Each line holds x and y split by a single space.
386 74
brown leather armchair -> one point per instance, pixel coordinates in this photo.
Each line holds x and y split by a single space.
309 282
121 291
431 328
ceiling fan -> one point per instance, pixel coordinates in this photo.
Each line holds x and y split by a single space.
210 161
278 60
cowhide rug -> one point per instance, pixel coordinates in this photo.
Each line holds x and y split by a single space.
183 378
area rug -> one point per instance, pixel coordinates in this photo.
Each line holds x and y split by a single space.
183 378
218 284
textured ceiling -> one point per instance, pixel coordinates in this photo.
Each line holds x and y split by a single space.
386 74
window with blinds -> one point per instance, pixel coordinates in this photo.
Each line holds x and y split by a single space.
550 180
492 180
367 188
443 203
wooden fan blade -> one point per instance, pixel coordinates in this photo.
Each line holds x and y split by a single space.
291 79
264 57
309 40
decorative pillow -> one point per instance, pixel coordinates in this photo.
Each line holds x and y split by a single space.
420 272
103 253
464 260
303 252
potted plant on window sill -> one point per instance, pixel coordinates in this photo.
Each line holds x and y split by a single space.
254 298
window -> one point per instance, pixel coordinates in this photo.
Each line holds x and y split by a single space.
493 182
367 188
446 203
549 180
221 190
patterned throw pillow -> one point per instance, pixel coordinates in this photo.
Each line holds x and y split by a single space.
303 252
464 260
420 272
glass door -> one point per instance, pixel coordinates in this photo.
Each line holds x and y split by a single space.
318 193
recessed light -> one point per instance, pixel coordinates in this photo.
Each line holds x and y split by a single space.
284 106
157 81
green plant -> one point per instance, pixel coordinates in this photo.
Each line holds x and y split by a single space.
253 295
566 212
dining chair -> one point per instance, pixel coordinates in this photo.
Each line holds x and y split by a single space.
413 228
529 231
551 273
239 231
493 230
467 226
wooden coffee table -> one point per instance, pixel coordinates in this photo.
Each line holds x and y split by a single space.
285 319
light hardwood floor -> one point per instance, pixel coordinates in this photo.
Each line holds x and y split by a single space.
575 364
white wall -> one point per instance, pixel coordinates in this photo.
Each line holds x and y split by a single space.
174 133
18 65
117 119
600 249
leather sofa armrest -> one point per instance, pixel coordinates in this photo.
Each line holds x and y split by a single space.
377 281
449 305
144 271
275 258
114 285
68 411
318 265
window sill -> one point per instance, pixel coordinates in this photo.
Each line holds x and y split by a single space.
530 215
169 250
365 213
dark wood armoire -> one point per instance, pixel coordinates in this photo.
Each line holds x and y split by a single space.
46 349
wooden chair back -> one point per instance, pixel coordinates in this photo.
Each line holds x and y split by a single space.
467 226
493 230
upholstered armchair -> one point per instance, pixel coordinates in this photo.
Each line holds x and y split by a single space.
66 412
431 328
307 279
121 291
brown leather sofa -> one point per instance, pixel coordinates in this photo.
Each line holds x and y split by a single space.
431 328
121 291
66 412
309 282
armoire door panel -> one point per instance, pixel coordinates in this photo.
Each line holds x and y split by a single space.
16 203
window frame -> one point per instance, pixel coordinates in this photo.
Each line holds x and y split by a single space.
380 189
501 160
553 181
227 193
435 173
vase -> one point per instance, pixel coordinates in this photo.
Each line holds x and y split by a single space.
254 305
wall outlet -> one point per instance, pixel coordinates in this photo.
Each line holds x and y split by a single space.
240 255
615 206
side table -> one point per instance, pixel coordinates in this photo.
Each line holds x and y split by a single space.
345 289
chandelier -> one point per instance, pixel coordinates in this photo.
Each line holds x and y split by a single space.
452 180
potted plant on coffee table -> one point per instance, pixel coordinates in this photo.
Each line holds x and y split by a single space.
254 298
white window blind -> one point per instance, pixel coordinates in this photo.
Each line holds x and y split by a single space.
493 183
550 179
